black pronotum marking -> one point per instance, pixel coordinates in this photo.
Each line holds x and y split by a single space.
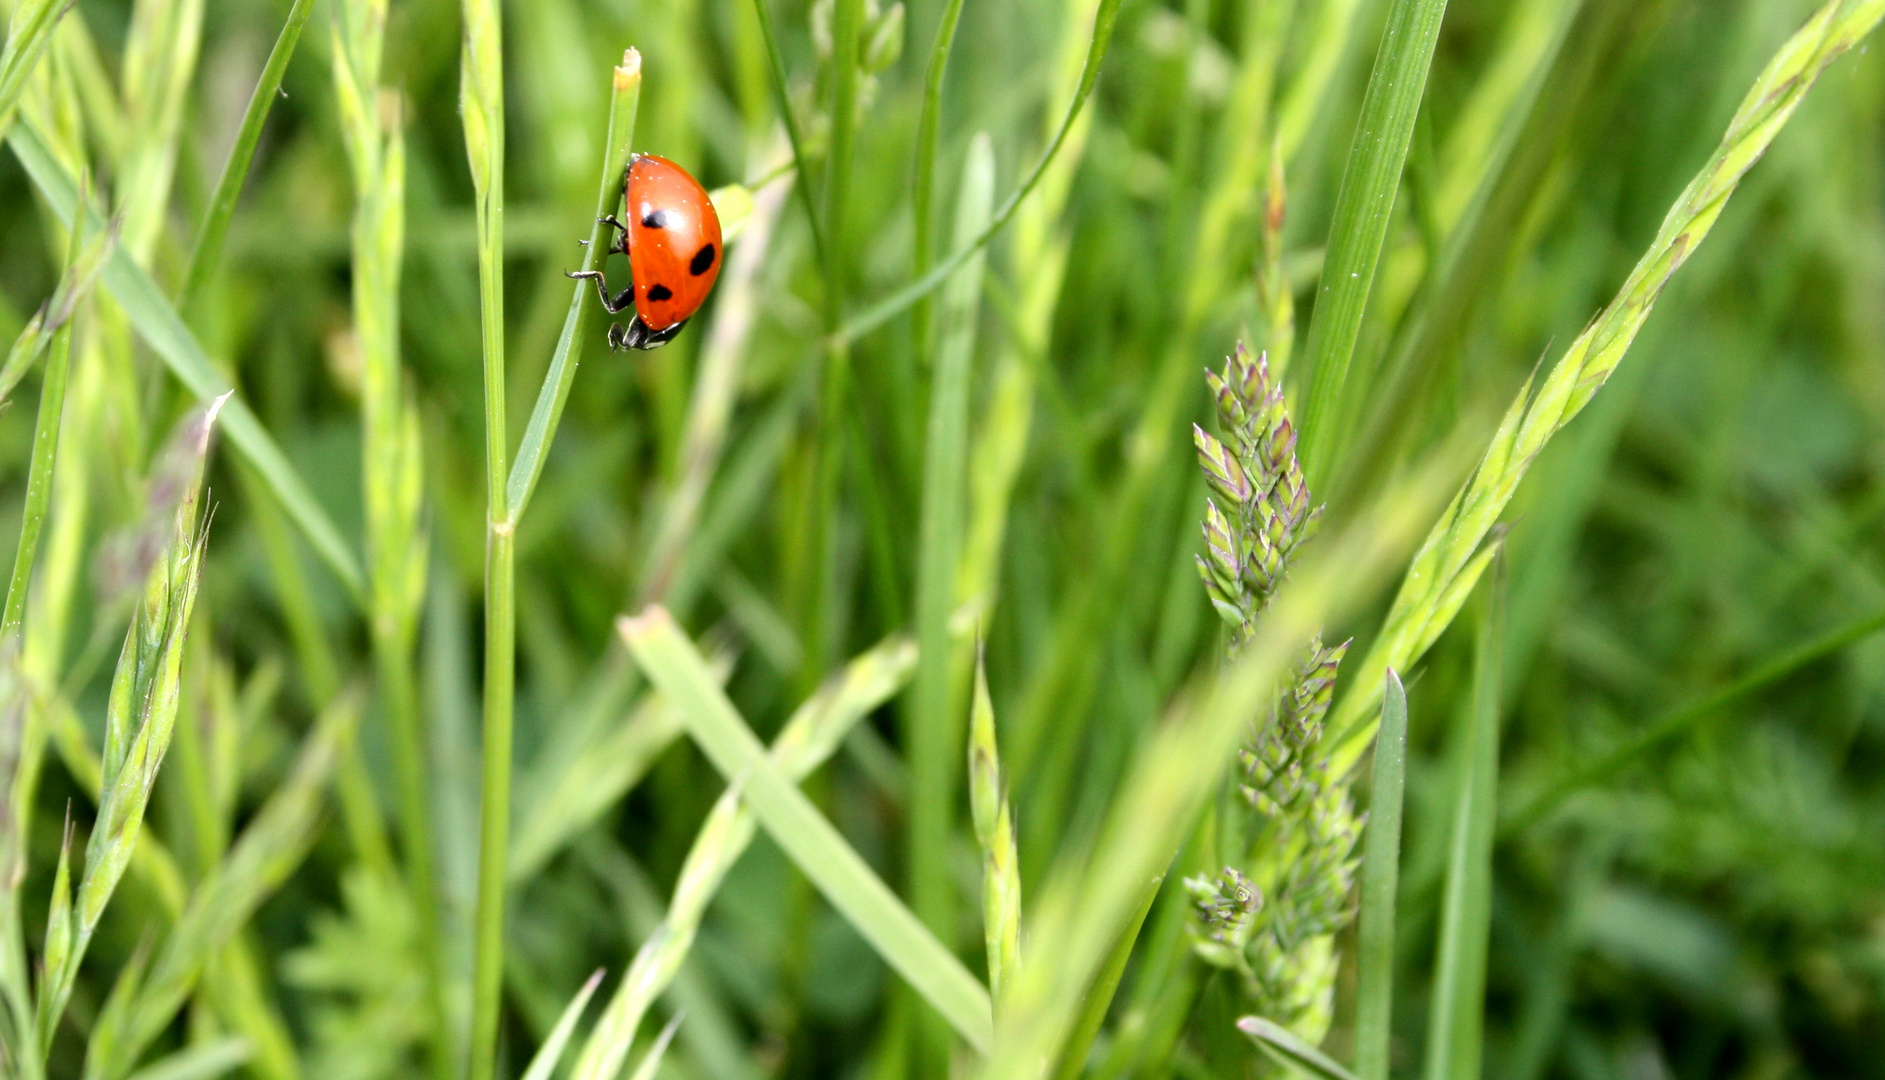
703 259
655 219
659 292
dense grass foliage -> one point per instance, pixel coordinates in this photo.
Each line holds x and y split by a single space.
1020 801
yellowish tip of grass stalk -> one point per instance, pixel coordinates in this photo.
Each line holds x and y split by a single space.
628 72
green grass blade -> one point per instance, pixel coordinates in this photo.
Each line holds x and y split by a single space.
1679 722
206 253
83 265
157 321
624 105
673 664
1099 996
1380 879
204 1061
935 733
775 67
1290 1050
888 308
923 184
807 740
29 32
1364 204
543 1065
1455 1024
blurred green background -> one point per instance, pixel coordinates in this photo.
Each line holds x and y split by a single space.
1716 908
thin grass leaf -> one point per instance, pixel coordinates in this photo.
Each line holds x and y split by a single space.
888 308
782 95
935 728
651 1061
672 663
1099 997
923 184
1452 551
82 267
1380 880
204 1061
1680 721
160 326
544 1063
1364 205
53 325
624 104
1290 1050
1455 1024
29 32
207 251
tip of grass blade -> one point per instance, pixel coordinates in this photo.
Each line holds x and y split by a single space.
653 619
1290 1049
628 71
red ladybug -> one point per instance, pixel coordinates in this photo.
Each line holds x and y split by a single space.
672 241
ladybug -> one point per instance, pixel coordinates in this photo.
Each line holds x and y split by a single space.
672 241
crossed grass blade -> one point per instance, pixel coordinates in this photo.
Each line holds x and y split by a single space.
807 740
1451 559
673 664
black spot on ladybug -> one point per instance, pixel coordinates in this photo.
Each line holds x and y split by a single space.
703 259
655 219
659 292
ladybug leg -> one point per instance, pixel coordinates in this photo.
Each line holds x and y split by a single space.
620 243
640 336
621 300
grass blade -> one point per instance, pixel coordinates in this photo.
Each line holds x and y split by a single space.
934 736
673 664
888 308
1679 722
157 321
1380 878
808 739
543 1065
206 253
29 32
83 264
624 104
204 1061
1364 204
1455 1024
1290 1050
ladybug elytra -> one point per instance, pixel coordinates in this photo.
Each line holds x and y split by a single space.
672 240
